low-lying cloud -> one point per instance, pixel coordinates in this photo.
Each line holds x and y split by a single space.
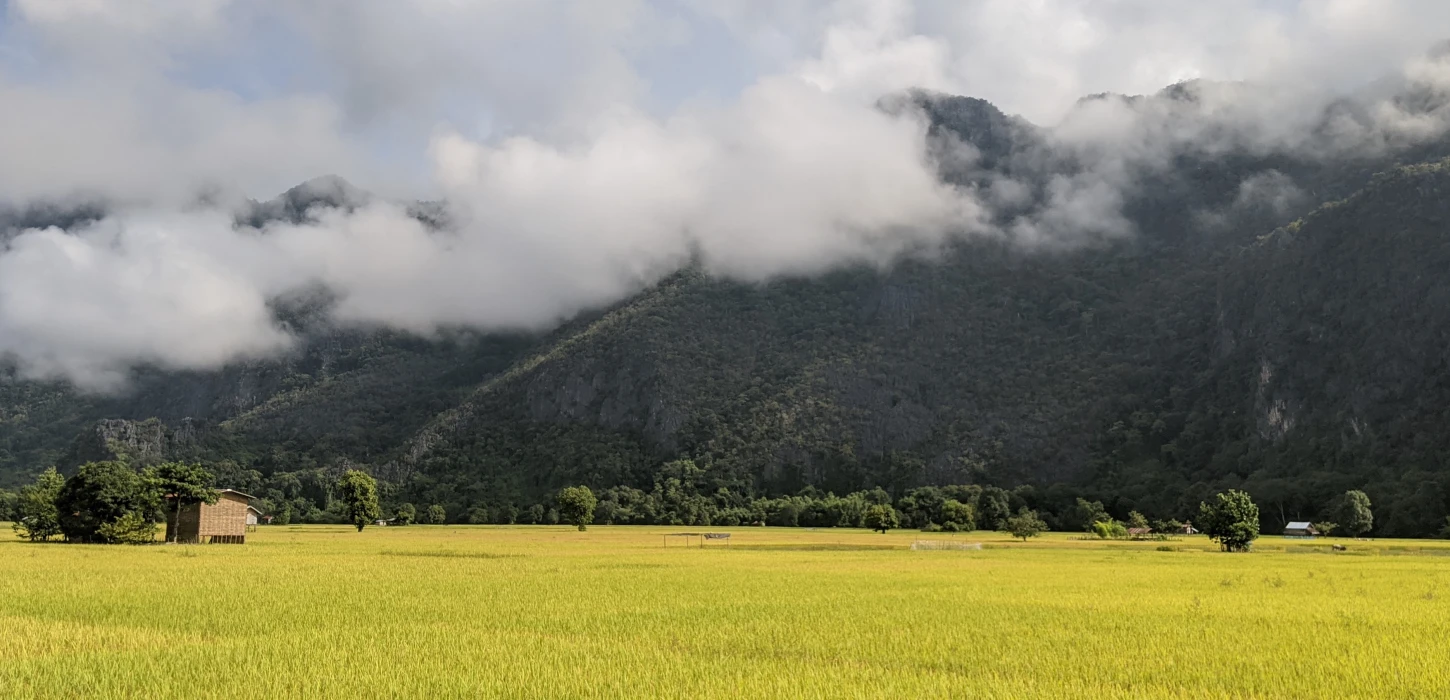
599 170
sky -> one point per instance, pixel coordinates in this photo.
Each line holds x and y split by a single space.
585 147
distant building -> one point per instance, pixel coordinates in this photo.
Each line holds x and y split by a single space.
1300 529
223 522
253 517
1187 529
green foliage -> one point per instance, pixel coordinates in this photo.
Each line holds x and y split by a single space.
1110 529
131 528
437 514
576 506
1089 514
1231 519
1026 524
881 518
1137 520
1353 513
961 516
1111 379
182 484
36 515
405 514
358 493
100 494
1325 528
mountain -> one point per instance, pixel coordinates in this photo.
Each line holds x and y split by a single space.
1273 320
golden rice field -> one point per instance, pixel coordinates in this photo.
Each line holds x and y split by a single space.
546 612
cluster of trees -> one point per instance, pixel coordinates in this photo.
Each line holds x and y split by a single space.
107 502
115 502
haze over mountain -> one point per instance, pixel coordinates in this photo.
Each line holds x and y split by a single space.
831 273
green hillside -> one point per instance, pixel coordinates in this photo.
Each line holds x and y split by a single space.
1293 358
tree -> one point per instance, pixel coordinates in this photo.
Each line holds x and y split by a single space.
437 514
1090 513
576 506
36 517
184 484
1137 521
992 508
881 518
1231 519
1325 528
101 493
359 493
1353 513
1025 524
961 515
405 514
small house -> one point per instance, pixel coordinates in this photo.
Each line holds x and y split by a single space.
254 516
1139 533
1300 529
1187 529
223 522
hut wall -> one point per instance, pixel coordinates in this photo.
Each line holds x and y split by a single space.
227 518
190 519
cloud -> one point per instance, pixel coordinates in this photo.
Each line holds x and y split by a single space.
575 175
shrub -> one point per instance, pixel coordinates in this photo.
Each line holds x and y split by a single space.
130 528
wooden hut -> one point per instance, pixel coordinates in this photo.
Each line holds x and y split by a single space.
1300 528
223 522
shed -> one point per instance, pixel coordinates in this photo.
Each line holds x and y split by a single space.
254 516
223 522
1138 533
1300 528
1187 529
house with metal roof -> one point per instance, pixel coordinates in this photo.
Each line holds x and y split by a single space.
1300 529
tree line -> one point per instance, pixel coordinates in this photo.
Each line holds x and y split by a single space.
114 502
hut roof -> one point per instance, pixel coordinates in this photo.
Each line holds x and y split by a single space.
1299 525
235 492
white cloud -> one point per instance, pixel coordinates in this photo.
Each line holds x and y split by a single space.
572 182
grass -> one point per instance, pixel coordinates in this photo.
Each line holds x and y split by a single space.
324 612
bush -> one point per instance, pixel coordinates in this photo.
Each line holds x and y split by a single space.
131 528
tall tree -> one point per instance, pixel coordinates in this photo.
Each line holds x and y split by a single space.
576 506
1231 519
100 493
358 491
183 485
437 514
36 516
1353 513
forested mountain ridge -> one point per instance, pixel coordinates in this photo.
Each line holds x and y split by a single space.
1232 340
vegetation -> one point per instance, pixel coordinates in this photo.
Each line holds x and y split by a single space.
1142 376
406 514
881 518
93 502
1354 514
1231 519
358 493
1025 524
576 506
36 515
182 484
782 613
437 514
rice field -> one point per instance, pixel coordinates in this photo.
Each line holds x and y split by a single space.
547 612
